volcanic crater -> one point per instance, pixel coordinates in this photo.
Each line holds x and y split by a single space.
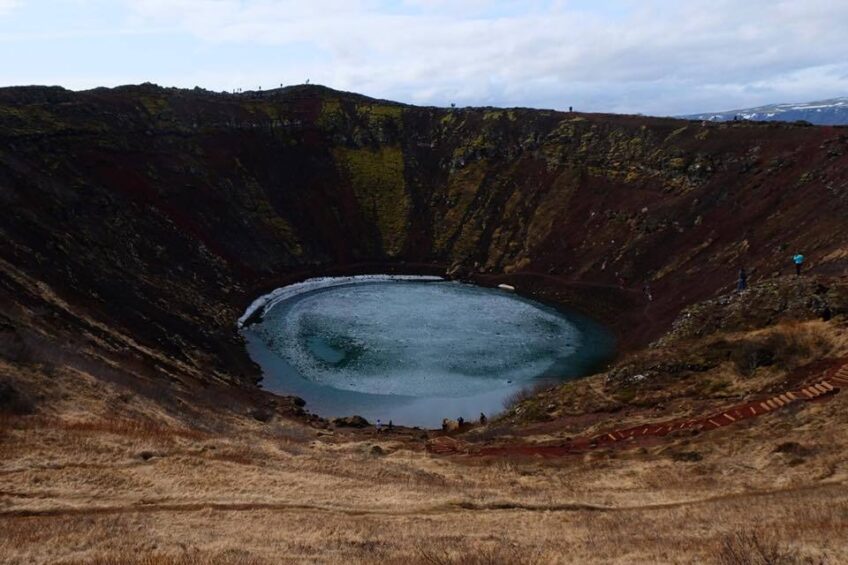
140 222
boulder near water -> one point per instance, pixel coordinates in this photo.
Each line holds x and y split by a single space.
351 422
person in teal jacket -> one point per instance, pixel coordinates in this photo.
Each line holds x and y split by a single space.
798 259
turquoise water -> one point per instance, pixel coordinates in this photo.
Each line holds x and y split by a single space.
415 351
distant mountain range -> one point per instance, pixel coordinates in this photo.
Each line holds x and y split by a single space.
825 112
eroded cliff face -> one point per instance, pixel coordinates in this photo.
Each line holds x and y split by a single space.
139 221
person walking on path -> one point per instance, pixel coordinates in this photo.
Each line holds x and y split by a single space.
647 290
379 426
798 259
743 280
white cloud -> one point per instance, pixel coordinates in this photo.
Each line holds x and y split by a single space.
7 6
649 56
653 56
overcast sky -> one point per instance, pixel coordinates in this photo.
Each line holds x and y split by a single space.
651 56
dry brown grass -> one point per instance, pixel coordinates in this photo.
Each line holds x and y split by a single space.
245 499
102 490
754 548
701 377
120 427
525 393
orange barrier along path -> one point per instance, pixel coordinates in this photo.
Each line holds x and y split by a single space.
826 386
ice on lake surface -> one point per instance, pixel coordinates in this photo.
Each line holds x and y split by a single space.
414 351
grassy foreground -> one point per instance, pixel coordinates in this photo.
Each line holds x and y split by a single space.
90 487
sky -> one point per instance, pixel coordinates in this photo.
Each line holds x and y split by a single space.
661 57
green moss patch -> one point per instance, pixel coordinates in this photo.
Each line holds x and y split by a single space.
378 183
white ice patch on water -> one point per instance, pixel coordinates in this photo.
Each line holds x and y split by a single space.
442 339
267 301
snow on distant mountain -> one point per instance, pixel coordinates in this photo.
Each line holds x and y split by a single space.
824 112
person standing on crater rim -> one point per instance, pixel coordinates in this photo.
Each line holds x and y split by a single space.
798 259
